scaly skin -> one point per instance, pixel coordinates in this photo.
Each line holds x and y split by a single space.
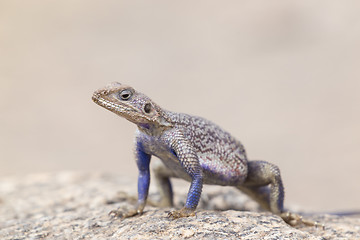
191 148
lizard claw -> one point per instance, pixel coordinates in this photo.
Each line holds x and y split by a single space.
184 212
123 214
115 213
294 219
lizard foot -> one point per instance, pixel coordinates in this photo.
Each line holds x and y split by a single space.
184 212
294 219
124 214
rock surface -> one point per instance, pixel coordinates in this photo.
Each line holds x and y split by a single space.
76 206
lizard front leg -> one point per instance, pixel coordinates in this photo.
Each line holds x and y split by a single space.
187 157
143 162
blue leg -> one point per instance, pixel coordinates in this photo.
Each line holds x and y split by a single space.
143 162
192 200
194 193
182 149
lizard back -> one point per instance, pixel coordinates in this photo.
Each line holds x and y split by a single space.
221 156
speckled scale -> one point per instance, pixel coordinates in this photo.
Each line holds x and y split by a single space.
222 157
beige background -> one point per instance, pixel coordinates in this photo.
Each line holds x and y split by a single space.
281 76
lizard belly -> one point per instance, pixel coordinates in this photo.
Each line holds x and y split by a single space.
173 163
219 171
215 171
169 159
218 168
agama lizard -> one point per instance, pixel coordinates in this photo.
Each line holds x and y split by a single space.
191 148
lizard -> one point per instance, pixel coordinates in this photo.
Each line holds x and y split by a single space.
194 149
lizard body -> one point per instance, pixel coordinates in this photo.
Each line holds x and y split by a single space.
191 148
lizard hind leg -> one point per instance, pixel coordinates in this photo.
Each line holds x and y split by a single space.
162 178
264 185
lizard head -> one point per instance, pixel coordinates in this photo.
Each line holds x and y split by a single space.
126 102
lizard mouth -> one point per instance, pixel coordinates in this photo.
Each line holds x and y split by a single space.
127 111
117 108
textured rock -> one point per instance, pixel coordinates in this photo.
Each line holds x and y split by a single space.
76 205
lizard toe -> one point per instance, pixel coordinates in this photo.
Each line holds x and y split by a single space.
294 219
123 214
184 212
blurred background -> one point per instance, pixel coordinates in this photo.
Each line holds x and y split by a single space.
281 76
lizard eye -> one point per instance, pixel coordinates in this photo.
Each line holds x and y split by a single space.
147 108
125 94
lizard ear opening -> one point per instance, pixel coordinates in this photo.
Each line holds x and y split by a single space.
147 108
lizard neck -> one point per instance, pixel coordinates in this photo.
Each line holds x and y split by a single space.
157 128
